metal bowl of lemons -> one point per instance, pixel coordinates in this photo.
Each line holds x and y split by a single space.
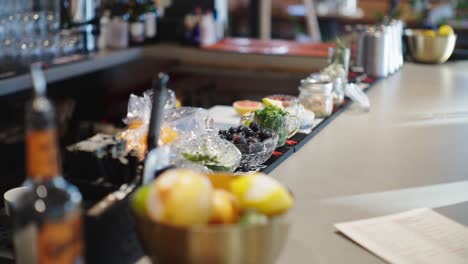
430 46
187 217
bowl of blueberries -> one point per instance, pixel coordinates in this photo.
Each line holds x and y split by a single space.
255 144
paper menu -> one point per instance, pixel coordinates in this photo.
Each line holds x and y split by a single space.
418 236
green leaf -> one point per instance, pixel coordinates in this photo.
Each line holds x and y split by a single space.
200 158
379 16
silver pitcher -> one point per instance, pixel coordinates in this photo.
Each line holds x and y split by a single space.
376 55
379 48
360 33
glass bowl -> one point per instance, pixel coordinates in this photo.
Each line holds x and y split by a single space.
211 151
254 155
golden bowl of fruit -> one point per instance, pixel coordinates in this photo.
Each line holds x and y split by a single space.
188 217
430 46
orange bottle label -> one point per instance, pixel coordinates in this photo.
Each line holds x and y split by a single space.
61 242
42 159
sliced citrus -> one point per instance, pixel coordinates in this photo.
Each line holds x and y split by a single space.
246 106
270 102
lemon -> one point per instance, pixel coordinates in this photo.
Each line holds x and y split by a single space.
446 30
261 193
180 197
140 198
429 33
225 207
270 102
221 180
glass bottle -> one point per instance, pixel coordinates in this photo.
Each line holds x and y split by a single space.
339 58
118 29
47 218
150 17
137 25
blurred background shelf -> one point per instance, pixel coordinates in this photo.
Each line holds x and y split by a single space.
241 60
68 67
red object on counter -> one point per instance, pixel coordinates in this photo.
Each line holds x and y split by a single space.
369 80
352 75
277 153
271 47
291 142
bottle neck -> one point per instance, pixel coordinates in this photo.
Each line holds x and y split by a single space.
43 161
42 151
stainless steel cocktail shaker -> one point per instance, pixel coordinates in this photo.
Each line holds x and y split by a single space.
379 48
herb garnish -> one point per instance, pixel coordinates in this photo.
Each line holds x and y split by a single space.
211 162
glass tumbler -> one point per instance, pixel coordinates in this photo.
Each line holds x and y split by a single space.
291 105
339 58
284 126
46 18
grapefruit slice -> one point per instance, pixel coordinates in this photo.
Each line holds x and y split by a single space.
246 106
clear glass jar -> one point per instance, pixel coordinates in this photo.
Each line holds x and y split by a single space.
338 86
317 96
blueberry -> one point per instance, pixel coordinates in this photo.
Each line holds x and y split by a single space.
254 126
249 132
256 147
232 130
252 140
264 134
245 167
244 149
228 136
242 129
239 139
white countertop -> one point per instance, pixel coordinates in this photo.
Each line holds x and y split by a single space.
410 151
